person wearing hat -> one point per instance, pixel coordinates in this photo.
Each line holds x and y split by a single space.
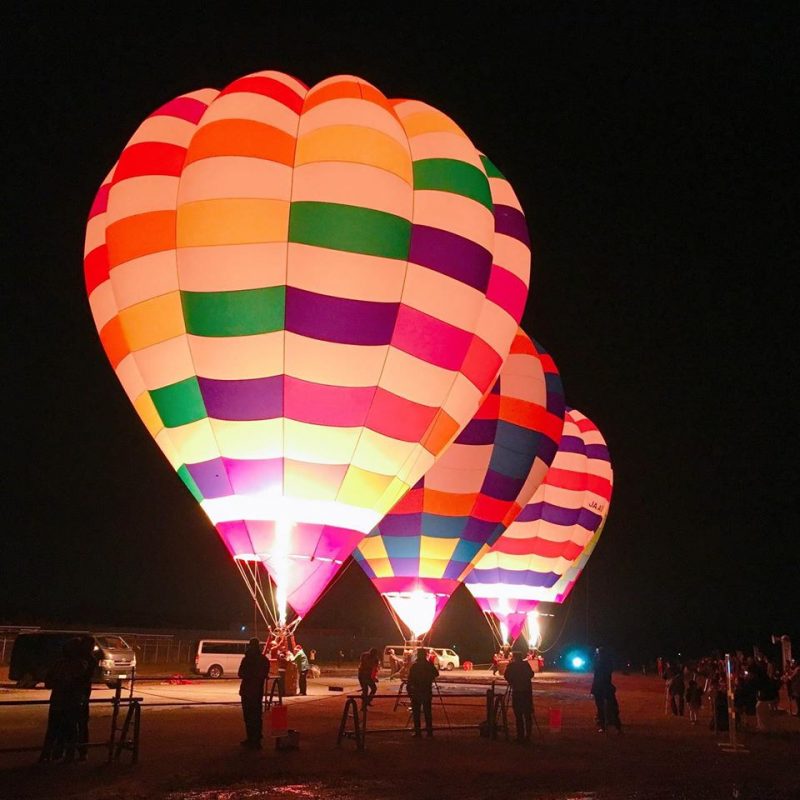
519 675
253 671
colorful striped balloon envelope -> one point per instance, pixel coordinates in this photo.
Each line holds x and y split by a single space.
428 542
542 553
306 294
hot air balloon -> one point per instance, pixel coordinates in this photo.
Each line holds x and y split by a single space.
306 294
542 553
428 542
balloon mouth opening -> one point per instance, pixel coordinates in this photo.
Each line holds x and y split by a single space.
416 609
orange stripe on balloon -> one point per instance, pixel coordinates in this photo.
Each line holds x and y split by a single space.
242 137
113 341
448 504
139 236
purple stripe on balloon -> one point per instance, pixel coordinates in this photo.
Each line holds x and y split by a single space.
548 512
513 577
405 566
400 525
589 519
547 449
599 451
478 431
453 570
452 255
480 530
501 487
211 478
336 319
511 222
572 444
257 398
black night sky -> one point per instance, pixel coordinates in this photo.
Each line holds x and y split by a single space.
654 151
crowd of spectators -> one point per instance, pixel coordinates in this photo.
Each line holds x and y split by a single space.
756 684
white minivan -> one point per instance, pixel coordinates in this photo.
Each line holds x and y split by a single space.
447 659
218 658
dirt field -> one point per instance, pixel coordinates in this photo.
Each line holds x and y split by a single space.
193 753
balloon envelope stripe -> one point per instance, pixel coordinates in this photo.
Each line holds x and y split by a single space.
245 312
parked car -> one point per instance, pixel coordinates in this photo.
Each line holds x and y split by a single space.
446 658
35 653
217 658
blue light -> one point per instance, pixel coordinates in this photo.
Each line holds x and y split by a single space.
577 662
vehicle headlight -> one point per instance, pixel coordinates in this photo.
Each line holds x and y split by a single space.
107 663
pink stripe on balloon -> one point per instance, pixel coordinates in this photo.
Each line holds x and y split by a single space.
507 291
430 339
100 203
186 108
315 403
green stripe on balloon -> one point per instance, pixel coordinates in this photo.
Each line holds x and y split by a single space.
491 169
241 313
179 403
456 177
349 228
184 475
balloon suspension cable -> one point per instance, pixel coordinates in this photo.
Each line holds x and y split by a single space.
555 641
495 628
250 573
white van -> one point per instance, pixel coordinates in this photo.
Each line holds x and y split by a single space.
446 658
218 658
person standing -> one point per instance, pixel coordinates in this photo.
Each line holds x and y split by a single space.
420 689
677 689
90 660
368 674
302 664
253 671
605 693
66 680
519 675
694 698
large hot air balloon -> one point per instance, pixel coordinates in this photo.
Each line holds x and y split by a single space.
542 553
305 293
428 542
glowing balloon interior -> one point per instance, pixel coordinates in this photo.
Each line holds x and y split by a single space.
429 541
542 553
305 293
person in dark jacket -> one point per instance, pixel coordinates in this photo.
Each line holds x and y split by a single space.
604 692
90 659
420 689
66 680
519 675
254 671
677 689
368 666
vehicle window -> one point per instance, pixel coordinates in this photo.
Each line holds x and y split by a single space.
225 648
112 642
450 652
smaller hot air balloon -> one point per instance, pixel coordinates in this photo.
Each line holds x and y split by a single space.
428 542
542 553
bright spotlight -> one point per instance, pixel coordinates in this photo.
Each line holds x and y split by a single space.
577 662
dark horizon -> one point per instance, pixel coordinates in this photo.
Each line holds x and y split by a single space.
652 153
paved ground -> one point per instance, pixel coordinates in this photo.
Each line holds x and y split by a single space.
191 752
